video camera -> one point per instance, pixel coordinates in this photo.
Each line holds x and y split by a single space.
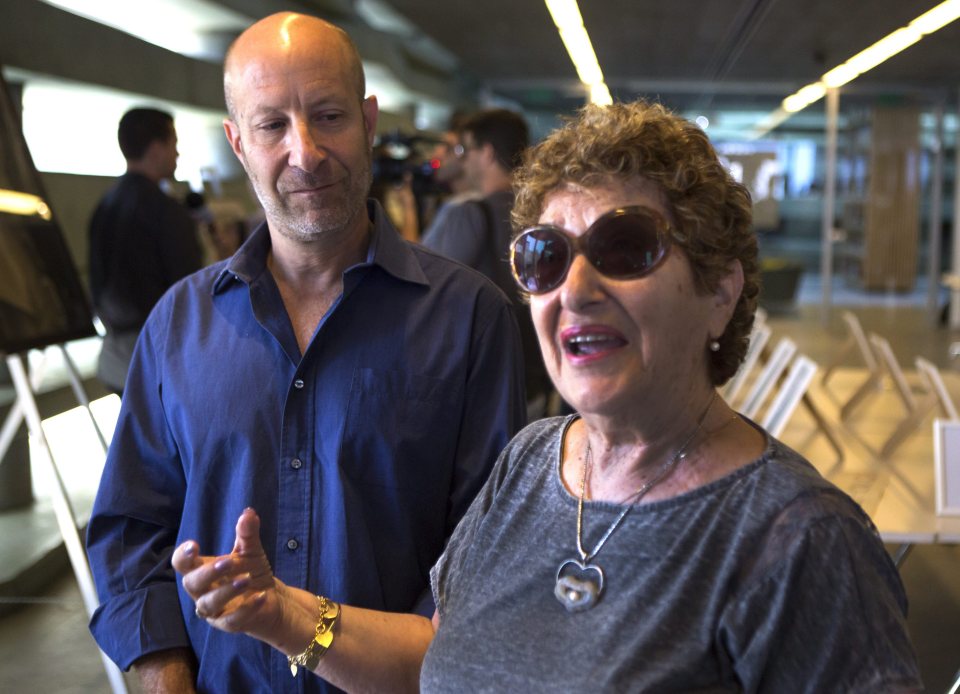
396 156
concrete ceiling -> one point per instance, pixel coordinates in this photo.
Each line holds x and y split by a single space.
691 53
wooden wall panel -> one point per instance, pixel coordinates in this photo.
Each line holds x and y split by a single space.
892 210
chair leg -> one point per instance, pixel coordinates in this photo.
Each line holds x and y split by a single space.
955 687
903 551
906 427
871 384
823 425
842 354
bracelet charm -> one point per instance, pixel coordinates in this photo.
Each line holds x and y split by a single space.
329 613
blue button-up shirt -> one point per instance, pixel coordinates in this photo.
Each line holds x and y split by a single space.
360 457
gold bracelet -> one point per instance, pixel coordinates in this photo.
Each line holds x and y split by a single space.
329 613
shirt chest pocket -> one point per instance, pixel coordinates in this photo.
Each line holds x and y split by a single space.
400 427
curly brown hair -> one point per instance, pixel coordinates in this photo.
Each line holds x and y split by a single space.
712 212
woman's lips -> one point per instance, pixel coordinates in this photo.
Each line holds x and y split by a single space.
589 343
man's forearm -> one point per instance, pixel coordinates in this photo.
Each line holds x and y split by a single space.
166 672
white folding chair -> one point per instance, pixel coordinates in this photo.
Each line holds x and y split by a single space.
883 361
890 364
936 396
789 395
933 381
760 316
768 376
856 341
759 337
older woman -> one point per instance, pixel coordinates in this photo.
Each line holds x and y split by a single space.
654 541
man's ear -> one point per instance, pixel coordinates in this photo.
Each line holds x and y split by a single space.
726 296
370 110
489 156
232 131
153 152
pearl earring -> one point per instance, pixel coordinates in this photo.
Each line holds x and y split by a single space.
714 345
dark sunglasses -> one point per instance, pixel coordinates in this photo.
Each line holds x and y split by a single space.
625 243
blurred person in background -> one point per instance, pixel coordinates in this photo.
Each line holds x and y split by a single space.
141 239
477 231
449 176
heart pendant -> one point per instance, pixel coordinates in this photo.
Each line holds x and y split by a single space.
579 585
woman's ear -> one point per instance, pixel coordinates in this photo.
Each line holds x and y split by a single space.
726 296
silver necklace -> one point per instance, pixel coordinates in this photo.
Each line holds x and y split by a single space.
579 582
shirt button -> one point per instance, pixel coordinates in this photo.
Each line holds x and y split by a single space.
298 384
296 463
292 544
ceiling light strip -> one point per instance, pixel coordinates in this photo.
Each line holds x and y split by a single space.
867 59
25 204
566 15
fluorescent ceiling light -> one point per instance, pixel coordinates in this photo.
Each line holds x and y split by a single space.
25 204
581 52
566 15
804 97
189 27
867 59
197 29
937 18
838 76
769 122
600 95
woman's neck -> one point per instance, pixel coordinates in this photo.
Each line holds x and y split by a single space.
624 459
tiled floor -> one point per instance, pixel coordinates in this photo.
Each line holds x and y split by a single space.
44 643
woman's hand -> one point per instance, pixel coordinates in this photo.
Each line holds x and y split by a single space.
236 592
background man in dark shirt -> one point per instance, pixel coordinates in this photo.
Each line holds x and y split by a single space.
478 232
141 240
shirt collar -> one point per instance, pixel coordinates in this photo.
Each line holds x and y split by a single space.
387 250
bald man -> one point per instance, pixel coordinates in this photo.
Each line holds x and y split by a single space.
353 388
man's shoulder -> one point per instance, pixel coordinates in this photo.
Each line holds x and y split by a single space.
139 194
453 275
451 215
197 286
190 303
478 214
468 211
135 185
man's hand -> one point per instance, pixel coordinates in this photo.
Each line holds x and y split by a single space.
236 592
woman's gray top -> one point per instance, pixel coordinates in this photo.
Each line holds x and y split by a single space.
769 579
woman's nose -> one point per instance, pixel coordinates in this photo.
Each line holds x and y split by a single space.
582 285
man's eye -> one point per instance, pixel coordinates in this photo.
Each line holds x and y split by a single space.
272 125
329 117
